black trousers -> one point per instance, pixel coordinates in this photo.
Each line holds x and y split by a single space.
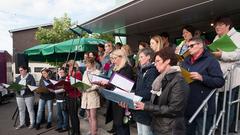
122 129
73 113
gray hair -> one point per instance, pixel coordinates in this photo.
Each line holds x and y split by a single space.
197 39
147 52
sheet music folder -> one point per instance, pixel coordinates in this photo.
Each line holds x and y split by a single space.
122 91
114 96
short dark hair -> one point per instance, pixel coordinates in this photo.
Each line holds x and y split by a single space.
119 44
144 44
164 34
46 70
24 67
223 19
90 60
189 28
101 45
168 53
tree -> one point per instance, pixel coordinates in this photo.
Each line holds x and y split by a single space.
58 33
107 37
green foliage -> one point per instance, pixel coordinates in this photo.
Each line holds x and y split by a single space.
57 33
107 37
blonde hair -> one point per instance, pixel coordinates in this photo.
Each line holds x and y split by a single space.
124 59
71 62
127 49
159 42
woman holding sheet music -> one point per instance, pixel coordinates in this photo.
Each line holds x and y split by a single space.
114 111
145 76
187 33
90 97
25 97
169 96
45 98
73 96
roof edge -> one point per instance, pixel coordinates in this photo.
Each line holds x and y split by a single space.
30 27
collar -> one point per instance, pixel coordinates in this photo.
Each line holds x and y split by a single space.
196 56
25 77
231 32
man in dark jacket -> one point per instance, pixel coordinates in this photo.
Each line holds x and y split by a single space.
207 75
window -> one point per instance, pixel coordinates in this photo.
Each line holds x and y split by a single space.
38 69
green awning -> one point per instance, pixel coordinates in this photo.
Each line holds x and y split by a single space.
36 50
59 51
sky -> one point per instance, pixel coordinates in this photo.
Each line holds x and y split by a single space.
16 14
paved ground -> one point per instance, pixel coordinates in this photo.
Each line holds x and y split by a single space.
6 124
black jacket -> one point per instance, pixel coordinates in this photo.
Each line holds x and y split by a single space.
168 109
145 78
209 68
114 111
62 95
46 96
29 81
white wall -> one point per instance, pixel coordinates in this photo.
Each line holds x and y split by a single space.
32 65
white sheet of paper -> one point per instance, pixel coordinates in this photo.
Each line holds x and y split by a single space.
95 78
122 82
5 85
3 90
129 95
72 80
45 83
32 88
53 82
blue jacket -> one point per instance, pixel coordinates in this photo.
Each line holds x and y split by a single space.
145 78
209 68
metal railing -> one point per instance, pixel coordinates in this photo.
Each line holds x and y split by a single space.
220 116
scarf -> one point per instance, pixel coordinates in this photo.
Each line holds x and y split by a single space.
157 83
23 81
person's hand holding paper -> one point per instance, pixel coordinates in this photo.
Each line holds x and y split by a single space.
196 76
123 104
139 105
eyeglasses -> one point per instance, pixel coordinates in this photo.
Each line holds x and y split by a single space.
21 70
192 45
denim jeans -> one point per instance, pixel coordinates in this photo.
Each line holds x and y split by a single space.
144 129
195 128
41 107
62 116
22 103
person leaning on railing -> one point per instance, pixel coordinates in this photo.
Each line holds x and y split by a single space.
169 96
207 75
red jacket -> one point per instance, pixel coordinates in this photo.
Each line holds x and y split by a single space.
71 92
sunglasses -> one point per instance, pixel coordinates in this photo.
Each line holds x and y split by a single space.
192 45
